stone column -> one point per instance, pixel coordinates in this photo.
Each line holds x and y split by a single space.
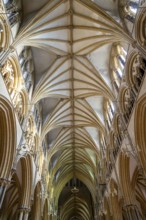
3 187
131 212
26 214
20 215
23 213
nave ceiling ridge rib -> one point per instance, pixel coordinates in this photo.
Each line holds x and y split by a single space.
72 77
73 90
72 30
86 80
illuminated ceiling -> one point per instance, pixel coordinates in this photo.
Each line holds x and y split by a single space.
71 42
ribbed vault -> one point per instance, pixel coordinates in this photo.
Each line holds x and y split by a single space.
75 204
73 31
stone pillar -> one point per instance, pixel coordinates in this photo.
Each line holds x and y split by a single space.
96 217
3 187
54 217
23 213
20 215
26 214
131 212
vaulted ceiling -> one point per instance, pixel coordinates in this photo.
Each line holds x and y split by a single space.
71 42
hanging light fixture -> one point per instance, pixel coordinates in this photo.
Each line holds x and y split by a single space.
74 190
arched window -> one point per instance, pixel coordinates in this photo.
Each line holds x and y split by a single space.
110 109
4 34
122 60
103 146
27 67
130 10
118 61
119 73
133 6
37 116
109 113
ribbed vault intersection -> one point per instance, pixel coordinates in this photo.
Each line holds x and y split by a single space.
73 31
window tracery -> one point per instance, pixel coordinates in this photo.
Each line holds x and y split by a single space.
4 32
118 61
136 67
37 116
27 68
126 103
13 12
130 10
109 113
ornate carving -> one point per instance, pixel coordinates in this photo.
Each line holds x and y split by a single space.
29 136
18 104
8 74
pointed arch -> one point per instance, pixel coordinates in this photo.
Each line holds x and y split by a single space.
5 33
124 171
37 206
115 202
46 210
7 138
27 180
140 129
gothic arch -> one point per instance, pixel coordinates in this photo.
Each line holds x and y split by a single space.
82 208
5 32
123 96
140 129
27 180
128 69
7 138
117 124
115 201
46 210
139 187
140 27
61 183
12 199
37 206
124 172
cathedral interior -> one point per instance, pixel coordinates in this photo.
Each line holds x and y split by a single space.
72 110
